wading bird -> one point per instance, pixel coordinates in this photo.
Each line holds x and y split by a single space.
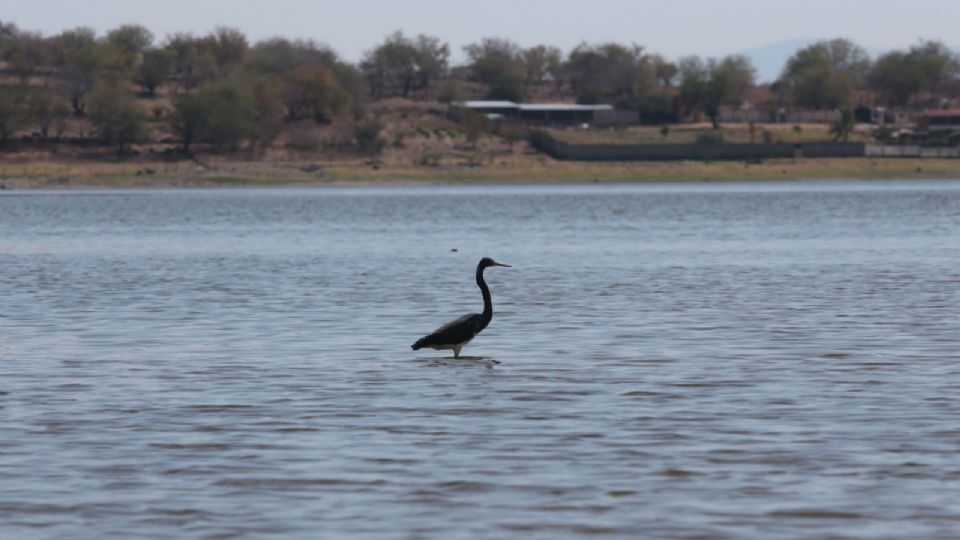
458 332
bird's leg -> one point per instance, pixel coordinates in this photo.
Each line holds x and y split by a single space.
456 351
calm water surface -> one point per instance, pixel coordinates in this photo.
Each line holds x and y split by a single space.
677 361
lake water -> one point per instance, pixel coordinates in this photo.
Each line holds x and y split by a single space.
678 361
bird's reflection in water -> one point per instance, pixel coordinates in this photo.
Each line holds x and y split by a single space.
461 362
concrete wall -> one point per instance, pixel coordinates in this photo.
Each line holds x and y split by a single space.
830 149
913 151
692 152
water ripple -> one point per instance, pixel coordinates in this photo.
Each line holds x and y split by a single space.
671 361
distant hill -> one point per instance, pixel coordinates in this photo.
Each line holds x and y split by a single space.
770 59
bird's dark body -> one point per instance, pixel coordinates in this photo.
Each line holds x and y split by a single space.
458 332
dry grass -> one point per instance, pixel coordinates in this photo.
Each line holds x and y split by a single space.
688 133
549 171
524 169
423 146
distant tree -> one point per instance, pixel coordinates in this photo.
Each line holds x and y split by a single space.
116 117
541 62
8 31
268 105
8 34
825 74
132 39
71 43
228 46
87 66
499 64
114 64
25 53
694 76
896 78
433 59
47 110
220 113
843 126
154 70
611 72
705 86
355 89
81 62
204 70
278 56
665 70
730 78
183 49
939 65
313 92
401 65
79 80
13 115
193 61
391 67
231 114
899 76
187 119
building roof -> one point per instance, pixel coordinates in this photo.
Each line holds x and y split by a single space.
941 112
487 104
532 106
563 107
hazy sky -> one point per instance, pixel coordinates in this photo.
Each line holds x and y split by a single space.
672 27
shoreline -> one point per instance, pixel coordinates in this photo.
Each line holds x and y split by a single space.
146 174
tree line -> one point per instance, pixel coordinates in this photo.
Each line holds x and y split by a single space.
225 91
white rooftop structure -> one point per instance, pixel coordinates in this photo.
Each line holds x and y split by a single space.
487 104
482 104
563 107
547 113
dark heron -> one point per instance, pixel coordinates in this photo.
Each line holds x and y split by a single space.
458 332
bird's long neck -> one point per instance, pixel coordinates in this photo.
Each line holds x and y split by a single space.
487 302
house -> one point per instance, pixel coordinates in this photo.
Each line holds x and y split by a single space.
560 113
934 120
502 109
547 113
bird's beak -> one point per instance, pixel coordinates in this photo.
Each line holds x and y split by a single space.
495 263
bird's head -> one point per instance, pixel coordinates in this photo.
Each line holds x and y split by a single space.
487 262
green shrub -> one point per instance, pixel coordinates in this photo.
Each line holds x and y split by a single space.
368 137
116 117
450 91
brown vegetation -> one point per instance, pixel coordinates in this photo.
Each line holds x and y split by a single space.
81 106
